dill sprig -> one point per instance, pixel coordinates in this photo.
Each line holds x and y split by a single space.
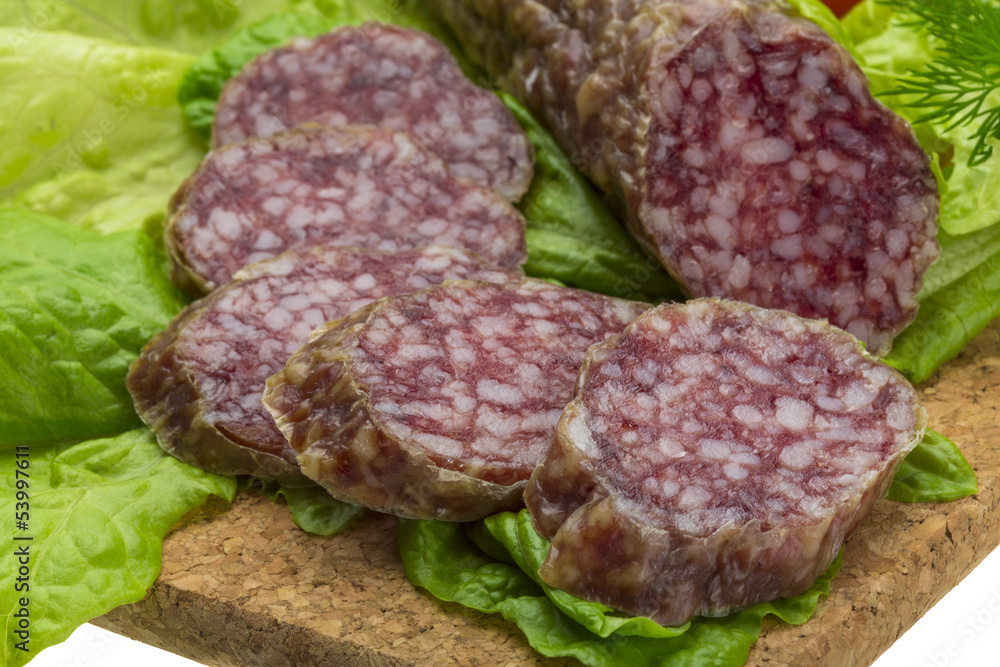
956 87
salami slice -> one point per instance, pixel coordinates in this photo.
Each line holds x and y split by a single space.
717 455
351 186
743 141
384 75
440 404
198 384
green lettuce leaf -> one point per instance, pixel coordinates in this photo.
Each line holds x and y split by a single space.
189 26
948 319
92 132
441 557
75 309
890 51
312 508
98 513
934 472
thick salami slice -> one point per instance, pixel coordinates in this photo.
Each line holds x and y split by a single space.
441 403
198 384
350 186
717 455
382 75
743 141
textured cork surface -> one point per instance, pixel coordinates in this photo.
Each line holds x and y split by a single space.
241 585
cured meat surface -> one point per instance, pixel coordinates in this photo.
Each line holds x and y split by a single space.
440 404
384 75
743 141
348 186
198 384
717 455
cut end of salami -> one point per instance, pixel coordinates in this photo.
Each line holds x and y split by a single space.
440 404
348 186
775 178
383 75
198 385
717 455
743 141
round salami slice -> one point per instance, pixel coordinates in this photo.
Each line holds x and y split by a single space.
717 455
440 404
384 75
353 186
776 179
198 384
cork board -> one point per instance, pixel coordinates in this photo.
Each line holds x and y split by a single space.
242 585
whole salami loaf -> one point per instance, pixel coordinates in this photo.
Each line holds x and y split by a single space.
439 404
742 140
198 384
717 455
384 75
351 186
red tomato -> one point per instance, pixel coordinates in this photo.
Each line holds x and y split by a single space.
840 7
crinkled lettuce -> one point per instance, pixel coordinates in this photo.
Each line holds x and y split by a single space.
91 130
98 513
75 309
444 559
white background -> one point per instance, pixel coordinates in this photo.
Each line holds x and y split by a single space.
963 630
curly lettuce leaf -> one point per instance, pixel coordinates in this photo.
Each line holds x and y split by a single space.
441 558
890 51
934 472
92 132
75 309
99 511
312 508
